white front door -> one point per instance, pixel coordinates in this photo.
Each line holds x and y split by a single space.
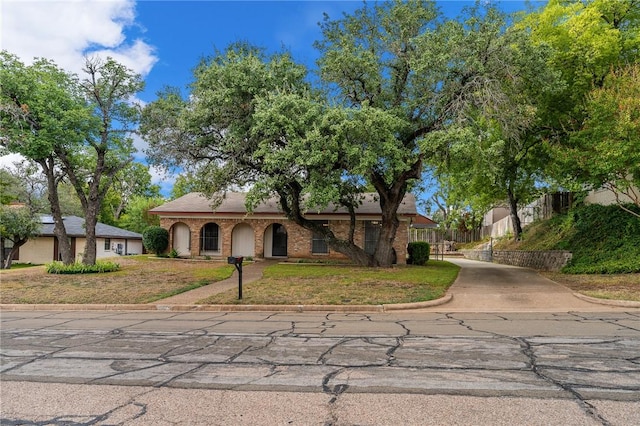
181 239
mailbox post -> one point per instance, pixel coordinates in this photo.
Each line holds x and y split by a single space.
237 262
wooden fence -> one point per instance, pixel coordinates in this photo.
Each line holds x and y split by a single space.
433 236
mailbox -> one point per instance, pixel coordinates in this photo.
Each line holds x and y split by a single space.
237 262
234 260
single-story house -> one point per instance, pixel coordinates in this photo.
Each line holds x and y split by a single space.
197 229
110 241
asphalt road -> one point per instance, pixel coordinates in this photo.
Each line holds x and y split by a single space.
253 368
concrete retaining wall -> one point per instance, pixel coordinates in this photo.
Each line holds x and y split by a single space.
483 255
550 260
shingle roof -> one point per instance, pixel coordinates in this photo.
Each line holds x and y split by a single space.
74 226
421 221
234 203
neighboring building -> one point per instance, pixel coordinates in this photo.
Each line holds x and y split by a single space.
197 229
497 222
110 241
606 196
423 222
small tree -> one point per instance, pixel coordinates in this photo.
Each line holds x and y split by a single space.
17 225
155 239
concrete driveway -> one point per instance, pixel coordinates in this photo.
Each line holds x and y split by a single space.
491 287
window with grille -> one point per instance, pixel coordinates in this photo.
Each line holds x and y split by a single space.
107 244
371 235
209 237
318 243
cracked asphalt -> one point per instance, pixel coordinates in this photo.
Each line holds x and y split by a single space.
162 368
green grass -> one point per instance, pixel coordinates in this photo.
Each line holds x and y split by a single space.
15 266
603 239
139 280
343 285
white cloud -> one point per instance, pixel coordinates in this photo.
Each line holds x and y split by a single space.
67 30
6 161
162 178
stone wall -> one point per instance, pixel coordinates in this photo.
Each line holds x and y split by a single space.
549 260
482 255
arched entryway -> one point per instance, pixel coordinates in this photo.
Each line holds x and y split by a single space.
181 239
275 241
210 239
243 241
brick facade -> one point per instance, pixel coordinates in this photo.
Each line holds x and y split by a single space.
299 240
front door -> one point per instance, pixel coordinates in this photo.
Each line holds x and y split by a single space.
279 247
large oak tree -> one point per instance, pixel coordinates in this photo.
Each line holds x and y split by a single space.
395 74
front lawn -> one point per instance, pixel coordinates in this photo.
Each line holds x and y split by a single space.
601 286
305 284
141 279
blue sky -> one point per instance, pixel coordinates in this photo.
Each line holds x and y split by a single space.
164 40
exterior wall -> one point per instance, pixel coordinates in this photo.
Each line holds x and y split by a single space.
38 250
494 215
298 239
128 247
607 197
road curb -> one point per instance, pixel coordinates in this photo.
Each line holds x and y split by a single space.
227 308
608 302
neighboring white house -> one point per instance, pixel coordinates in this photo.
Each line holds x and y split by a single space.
606 196
497 222
110 241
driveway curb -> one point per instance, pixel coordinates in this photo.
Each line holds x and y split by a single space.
608 302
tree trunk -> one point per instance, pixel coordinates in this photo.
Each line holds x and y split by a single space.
6 264
64 244
513 211
384 254
2 259
90 249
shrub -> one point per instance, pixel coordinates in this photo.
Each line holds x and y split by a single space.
81 268
155 239
173 253
418 253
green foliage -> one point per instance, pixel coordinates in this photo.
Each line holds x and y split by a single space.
17 225
183 185
136 215
418 253
587 39
606 150
155 239
173 253
603 239
80 268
